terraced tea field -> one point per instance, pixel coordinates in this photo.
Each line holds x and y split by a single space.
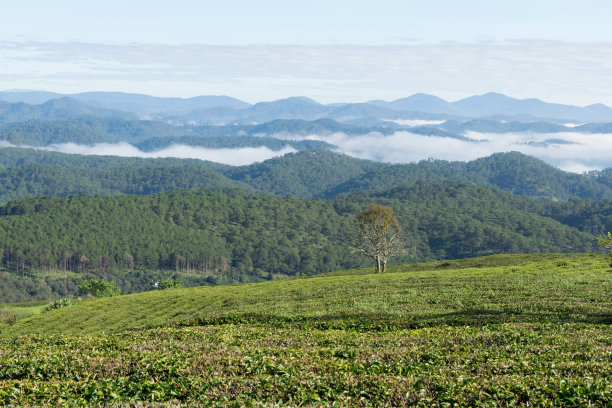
499 331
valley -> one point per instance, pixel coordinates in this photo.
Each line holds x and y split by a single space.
239 286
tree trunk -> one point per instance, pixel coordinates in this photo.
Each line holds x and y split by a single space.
384 265
378 264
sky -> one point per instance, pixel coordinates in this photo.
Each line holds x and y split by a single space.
332 51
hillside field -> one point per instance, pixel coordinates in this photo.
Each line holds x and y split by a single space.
506 330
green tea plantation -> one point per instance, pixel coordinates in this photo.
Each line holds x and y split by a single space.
500 331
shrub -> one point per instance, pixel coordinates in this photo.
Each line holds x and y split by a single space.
58 304
99 288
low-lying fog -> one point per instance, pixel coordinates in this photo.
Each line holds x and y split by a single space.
573 152
234 157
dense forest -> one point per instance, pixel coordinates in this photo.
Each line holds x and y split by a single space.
306 174
225 236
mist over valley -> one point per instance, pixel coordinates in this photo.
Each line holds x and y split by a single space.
229 131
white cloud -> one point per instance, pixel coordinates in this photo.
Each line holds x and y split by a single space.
234 157
554 71
574 152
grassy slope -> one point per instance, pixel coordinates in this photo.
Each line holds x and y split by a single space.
523 288
15 311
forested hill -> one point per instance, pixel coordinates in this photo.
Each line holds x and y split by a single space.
26 172
307 174
327 174
304 174
50 244
150 135
513 172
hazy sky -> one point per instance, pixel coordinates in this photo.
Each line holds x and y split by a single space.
333 50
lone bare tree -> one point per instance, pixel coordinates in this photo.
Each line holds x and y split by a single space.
378 235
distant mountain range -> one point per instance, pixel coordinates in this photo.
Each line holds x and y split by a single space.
143 105
52 123
378 130
62 108
296 108
228 110
495 104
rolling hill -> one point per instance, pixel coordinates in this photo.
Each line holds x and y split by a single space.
305 174
299 301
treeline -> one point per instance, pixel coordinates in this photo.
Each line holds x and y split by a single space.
231 142
602 176
207 233
236 236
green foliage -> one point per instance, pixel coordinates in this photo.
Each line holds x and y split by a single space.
605 241
231 142
8 317
99 288
84 130
11 312
146 135
602 176
244 365
303 174
380 217
169 283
